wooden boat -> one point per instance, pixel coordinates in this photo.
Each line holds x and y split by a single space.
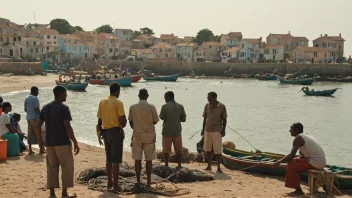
263 77
136 78
73 86
319 93
262 163
171 78
300 81
123 82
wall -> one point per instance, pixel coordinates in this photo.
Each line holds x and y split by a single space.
21 67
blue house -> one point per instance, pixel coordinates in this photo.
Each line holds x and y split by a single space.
123 34
73 47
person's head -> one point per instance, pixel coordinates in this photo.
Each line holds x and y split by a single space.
169 96
16 117
34 91
296 129
1 100
115 89
60 93
212 97
6 107
143 94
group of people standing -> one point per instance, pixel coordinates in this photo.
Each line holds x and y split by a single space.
142 119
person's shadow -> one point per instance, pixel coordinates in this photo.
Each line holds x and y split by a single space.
35 158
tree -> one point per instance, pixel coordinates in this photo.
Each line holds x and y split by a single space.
104 29
135 34
61 25
147 31
204 35
216 38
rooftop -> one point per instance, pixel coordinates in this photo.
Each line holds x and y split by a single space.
47 31
274 46
161 45
109 36
186 44
233 49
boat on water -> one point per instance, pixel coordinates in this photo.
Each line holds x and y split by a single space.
312 92
136 78
74 86
262 163
296 81
265 77
172 78
123 82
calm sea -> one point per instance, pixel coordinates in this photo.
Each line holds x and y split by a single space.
262 112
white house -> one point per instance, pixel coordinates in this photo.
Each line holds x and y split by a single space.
185 51
274 52
50 39
250 49
231 53
231 39
142 53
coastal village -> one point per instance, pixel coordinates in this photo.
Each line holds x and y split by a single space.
32 42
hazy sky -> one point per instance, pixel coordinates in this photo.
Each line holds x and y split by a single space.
254 18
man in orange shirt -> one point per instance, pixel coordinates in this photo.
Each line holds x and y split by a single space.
111 121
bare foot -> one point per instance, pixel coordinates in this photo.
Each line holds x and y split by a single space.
31 153
208 168
21 154
69 195
299 191
219 171
42 152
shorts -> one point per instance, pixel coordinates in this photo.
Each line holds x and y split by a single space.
113 141
213 141
139 148
176 141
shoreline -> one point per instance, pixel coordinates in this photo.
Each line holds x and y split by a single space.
21 83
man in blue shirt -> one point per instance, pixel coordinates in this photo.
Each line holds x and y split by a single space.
31 107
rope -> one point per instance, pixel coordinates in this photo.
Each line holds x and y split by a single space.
244 139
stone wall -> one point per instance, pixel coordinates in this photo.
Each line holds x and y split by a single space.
18 68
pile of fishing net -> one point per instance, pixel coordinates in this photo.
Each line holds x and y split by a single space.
163 180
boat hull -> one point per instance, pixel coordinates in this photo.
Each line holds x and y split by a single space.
261 163
265 78
306 81
136 78
320 93
123 82
171 78
73 86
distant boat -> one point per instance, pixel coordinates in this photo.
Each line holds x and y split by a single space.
299 81
123 82
318 93
73 86
171 78
136 78
263 77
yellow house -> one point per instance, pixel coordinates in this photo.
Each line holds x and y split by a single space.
313 55
162 50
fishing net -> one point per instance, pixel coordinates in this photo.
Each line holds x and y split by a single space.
162 180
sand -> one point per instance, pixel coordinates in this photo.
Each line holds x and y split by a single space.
25 176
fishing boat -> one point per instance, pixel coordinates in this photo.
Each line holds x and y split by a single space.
308 92
123 82
136 78
73 85
299 81
171 78
264 77
262 163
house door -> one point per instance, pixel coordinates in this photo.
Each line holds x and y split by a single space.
166 55
273 57
11 52
86 55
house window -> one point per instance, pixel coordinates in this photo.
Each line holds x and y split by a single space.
242 45
34 43
0 50
54 42
315 54
160 50
301 43
116 50
325 54
31 50
274 51
334 45
209 47
14 39
110 50
54 37
48 37
47 48
266 51
27 42
219 47
20 50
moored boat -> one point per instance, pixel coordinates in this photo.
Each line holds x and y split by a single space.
262 163
73 86
299 81
123 82
136 78
328 92
264 77
171 78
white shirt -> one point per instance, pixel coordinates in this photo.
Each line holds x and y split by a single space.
313 151
4 119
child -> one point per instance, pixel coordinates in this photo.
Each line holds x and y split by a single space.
14 120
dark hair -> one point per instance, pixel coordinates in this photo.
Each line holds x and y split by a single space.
16 116
298 126
34 89
114 88
213 94
143 93
6 104
58 90
1 100
170 95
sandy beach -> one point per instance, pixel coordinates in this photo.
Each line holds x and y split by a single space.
25 176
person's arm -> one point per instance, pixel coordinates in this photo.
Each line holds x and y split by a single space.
183 115
122 115
155 116
204 120
69 130
36 106
11 129
297 142
38 132
224 121
25 105
130 117
162 114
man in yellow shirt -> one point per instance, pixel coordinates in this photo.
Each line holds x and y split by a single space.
111 120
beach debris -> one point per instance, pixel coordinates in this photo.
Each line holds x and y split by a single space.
189 175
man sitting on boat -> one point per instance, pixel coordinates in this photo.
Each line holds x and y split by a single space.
311 156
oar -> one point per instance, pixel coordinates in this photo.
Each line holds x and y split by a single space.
194 134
